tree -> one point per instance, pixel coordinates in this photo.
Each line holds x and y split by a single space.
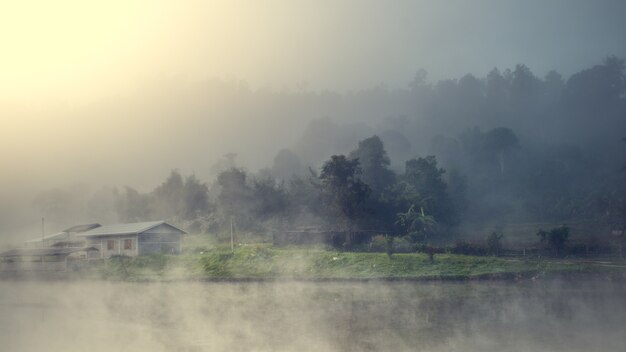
497 88
133 206
186 198
556 238
494 243
168 196
416 224
427 180
524 87
234 198
270 198
500 141
597 88
194 199
343 192
287 165
374 164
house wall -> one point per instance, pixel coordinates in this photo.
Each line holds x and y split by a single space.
167 243
161 239
118 245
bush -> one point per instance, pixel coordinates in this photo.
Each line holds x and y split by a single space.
556 239
468 248
494 243
389 245
378 243
216 264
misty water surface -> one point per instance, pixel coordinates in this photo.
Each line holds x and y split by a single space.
288 316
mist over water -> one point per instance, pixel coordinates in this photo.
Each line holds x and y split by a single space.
450 124
291 316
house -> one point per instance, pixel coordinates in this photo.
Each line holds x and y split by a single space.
134 239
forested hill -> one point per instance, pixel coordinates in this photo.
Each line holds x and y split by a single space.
508 147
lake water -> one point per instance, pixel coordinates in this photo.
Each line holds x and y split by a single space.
544 315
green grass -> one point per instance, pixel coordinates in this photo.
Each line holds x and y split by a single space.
267 262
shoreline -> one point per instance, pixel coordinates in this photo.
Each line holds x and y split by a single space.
530 276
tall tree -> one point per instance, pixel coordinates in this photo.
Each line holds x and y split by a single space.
287 165
235 196
343 193
427 179
595 89
374 164
169 195
195 198
500 141
270 198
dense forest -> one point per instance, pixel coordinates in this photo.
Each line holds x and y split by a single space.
483 152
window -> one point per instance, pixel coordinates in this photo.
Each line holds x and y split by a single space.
110 245
128 244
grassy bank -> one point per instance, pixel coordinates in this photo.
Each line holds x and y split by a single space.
266 262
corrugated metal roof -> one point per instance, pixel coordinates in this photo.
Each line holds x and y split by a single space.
43 252
82 228
125 229
48 237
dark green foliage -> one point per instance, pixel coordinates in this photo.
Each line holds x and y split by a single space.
374 164
270 198
287 165
235 196
427 180
389 249
555 238
178 198
416 224
343 193
499 142
216 263
598 87
494 243
468 248
133 206
194 198
168 195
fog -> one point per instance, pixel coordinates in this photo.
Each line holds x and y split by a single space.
94 98
428 122
290 316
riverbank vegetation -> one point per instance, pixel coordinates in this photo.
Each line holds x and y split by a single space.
314 263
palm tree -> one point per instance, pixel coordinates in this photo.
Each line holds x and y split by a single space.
413 221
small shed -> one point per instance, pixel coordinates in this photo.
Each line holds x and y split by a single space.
50 259
135 239
65 238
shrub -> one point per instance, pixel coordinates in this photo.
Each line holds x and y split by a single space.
494 243
556 239
378 243
468 248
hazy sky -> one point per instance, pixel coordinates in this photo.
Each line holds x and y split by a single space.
109 92
75 76
72 50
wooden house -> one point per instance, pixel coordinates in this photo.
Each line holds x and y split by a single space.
135 239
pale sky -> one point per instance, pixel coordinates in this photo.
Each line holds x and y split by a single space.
111 92
77 77
73 51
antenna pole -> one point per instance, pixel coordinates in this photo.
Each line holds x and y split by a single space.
232 240
43 231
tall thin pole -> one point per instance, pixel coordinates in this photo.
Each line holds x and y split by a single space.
232 240
43 231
